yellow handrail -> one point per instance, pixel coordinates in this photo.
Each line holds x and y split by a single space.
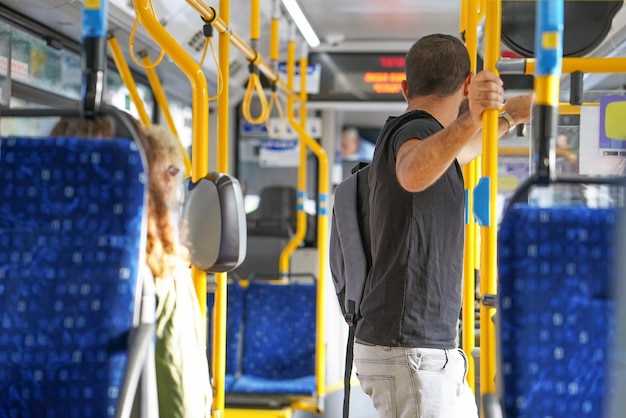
565 153
570 109
322 226
255 88
161 99
223 166
586 65
469 173
200 112
301 219
209 15
488 269
128 80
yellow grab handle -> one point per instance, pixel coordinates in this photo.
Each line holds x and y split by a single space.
254 86
145 63
275 104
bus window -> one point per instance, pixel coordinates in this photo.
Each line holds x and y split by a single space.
118 96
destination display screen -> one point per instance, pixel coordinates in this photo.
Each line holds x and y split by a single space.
360 76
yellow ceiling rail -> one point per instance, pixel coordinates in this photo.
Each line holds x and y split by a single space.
469 25
209 15
570 65
200 113
161 99
489 236
128 80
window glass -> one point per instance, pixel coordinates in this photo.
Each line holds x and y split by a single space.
117 95
35 63
181 113
26 126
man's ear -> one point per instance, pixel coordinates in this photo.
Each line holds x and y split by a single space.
405 90
466 84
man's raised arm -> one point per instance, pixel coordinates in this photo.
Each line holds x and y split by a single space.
421 161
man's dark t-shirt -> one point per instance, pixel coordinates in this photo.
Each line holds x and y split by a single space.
412 296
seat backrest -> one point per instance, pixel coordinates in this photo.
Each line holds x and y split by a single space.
277 202
556 309
276 214
71 216
279 334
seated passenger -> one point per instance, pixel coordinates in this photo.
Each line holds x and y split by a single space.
183 381
355 148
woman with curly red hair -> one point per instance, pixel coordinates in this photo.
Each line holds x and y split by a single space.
183 381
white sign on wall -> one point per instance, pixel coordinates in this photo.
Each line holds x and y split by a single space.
279 153
593 159
314 77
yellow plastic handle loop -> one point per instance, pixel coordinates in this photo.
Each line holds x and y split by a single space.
208 45
275 104
133 54
254 86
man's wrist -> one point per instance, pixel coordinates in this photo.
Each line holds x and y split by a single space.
468 123
509 119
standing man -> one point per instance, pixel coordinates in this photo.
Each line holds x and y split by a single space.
405 352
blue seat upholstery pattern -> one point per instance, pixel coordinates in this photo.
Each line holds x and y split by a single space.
556 312
278 352
70 234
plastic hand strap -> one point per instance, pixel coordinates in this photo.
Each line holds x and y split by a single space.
254 86
275 104
133 55
208 45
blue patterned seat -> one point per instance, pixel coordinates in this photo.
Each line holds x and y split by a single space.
556 312
278 341
70 234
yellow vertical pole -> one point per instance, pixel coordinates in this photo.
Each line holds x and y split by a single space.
161 99
489 269
128 80
223 127
322 226
301 220
463 16
200 112
469 173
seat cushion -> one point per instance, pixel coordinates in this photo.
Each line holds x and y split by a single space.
556 316
70 233
257 385
279 334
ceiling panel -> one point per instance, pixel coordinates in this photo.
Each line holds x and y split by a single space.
382 20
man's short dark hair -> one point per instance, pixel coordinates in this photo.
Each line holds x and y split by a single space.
436 65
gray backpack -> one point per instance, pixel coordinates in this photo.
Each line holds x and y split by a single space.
350 256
